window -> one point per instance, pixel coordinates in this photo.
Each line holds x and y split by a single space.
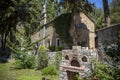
57 42
84 59
75 63
48 42
66 57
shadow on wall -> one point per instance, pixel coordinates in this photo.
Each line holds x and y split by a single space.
79 32
82 35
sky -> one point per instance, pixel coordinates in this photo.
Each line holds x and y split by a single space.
99 3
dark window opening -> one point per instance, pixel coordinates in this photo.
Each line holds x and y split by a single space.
75 63
84 59
66 57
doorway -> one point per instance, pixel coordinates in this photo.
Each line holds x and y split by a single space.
72 75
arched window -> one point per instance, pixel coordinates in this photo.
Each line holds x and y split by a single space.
75 63
66 57
84 59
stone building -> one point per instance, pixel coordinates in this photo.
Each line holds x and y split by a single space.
107 36
85 33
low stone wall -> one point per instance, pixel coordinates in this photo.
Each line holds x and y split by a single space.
51 56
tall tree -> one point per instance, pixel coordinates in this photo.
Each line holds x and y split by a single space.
98 16
14 11
51 9
74 7
115 11
106 12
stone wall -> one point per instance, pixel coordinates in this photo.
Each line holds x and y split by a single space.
84 24
52 56
107 36
90 25
77 61
85 30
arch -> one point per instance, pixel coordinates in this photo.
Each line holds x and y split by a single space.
66 57
84 59
75 63
71 75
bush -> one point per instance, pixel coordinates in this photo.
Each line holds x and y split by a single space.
77 77
103 71
42 58
59 48
58 59
50 70
25 61
51 48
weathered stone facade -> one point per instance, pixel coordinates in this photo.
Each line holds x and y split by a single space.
85 30
85 33
52 56
107 36
76 62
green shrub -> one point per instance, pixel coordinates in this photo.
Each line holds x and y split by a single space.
59 48
102 71
42 58
50 70
25 61
51 48
77 77
58 58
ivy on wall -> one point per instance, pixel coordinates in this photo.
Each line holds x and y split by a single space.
62 25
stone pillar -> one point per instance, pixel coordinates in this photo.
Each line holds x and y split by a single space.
63 75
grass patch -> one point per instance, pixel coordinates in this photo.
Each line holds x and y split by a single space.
28 78
8 73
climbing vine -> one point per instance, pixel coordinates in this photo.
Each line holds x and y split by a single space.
62 25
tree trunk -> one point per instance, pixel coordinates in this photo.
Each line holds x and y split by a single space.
73 30
2 39
106 13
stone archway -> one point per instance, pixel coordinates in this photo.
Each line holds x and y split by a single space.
75 63
71 75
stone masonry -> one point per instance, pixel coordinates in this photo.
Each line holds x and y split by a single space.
76 62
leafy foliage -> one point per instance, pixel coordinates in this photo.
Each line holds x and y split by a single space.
42 58
20 50
115 11
62 26
51 48
59 48
98 16
14 11
51 9
22 44
50 70
58 59
24 61
102 71
77 6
